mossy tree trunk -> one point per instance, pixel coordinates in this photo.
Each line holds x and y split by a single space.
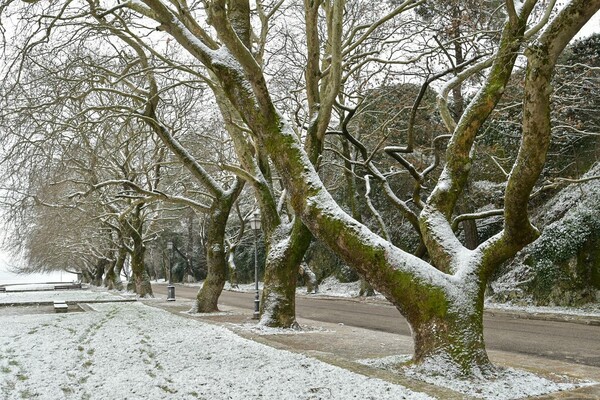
110 277
140 280
216 258
442 343
286 251
101 266
118 267
285 243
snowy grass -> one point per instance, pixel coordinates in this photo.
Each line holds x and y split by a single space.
50 296
507 384
134 351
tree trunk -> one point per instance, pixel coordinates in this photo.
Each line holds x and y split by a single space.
139 274
216 260
443 345
366 289
310 279
233 278
469 226
286 251
119 264
99 272
110 277
86 275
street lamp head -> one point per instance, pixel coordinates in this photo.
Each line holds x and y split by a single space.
255 220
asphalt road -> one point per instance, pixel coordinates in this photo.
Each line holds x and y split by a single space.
563 341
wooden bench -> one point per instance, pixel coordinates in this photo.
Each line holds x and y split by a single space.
60 306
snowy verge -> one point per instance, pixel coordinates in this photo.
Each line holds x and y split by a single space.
65 295
507 384
591 310
262 330
134 351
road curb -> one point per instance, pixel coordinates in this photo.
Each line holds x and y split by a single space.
569 318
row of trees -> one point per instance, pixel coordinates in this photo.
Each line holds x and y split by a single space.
120 118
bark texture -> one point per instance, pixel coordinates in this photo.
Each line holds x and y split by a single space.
286 251
216 257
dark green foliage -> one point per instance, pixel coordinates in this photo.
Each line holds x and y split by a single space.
323 262
563 266
244 261
565 261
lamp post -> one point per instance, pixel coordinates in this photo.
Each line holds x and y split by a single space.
170 287
255 225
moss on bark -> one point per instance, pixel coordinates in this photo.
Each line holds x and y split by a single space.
286 251
216 257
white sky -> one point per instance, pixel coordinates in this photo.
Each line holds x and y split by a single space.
7 277
592 26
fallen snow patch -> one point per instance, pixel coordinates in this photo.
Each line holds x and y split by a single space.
213 314
507 384
389 362
266 330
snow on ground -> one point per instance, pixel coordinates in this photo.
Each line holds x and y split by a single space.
329 287
508 384
133 351
590 310
268 331
64 295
